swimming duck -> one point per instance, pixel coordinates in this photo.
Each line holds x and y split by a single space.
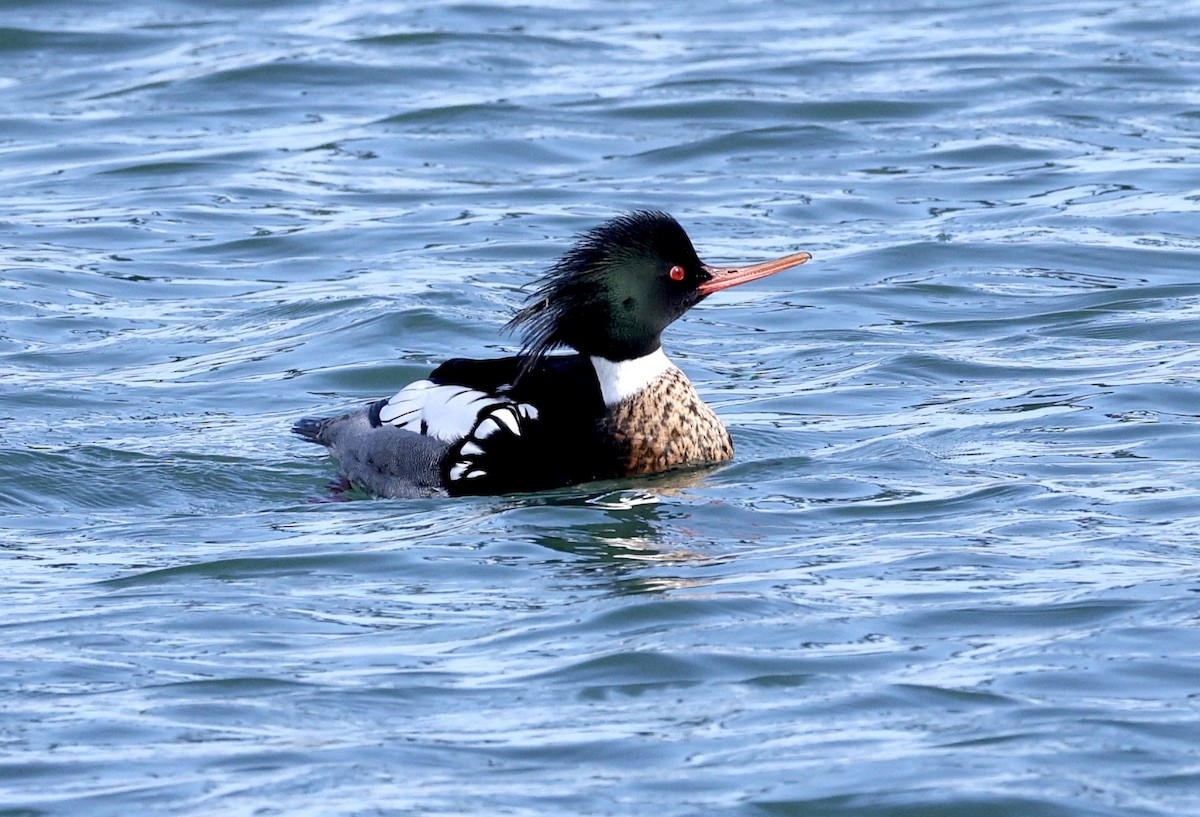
616 407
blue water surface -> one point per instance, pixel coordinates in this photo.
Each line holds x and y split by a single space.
953 569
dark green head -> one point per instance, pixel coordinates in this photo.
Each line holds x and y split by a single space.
614 292
621 285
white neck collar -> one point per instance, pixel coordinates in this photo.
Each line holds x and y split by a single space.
622 379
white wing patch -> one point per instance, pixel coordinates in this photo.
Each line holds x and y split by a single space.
446 412
504 419
454 413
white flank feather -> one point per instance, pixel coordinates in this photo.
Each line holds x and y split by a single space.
446 412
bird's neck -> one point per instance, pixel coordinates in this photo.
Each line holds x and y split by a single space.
622 379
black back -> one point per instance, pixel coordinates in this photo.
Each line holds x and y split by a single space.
561 447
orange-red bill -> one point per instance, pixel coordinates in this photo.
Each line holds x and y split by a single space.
726 277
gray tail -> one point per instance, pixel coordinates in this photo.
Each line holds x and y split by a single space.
310 428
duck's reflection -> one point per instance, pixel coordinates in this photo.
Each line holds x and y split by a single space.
629 529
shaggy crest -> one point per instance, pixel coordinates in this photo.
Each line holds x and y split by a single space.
589 296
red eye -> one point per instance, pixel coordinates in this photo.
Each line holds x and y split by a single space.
677 273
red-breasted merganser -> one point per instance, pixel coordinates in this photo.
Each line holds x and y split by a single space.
616 408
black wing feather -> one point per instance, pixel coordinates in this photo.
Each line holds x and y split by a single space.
560 447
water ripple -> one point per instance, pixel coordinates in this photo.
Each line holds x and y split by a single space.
951 570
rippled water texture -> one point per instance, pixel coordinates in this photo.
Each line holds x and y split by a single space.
952 571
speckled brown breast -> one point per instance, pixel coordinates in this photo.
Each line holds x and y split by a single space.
665 426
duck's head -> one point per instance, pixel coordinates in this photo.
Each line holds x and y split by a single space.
621 285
